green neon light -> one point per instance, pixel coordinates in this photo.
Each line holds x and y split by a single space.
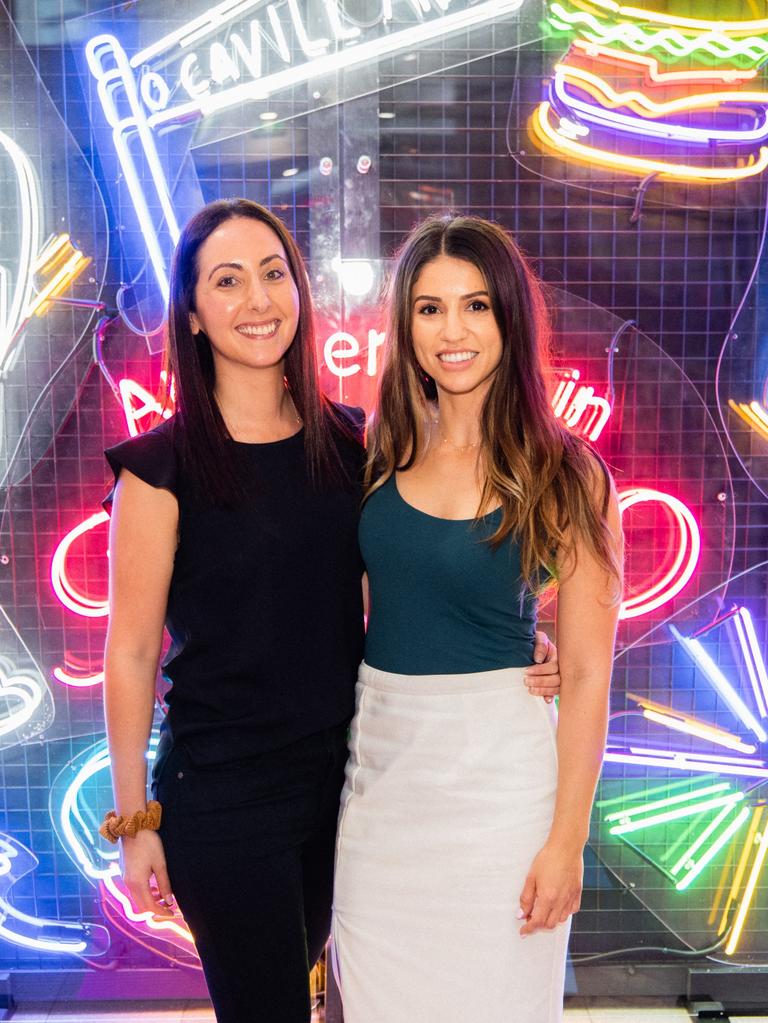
670 786
691 851
713 850
676 814
671 801
670 850
670 41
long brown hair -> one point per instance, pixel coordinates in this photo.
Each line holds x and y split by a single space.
203 438
551 485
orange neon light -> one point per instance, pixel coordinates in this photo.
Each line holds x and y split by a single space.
754 414
655 78
675 719
551 138
71 262
646 107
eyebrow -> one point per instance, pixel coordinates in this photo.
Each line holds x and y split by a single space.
434 298
239 266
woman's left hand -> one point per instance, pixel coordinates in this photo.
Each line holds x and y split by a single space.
543 677
552 889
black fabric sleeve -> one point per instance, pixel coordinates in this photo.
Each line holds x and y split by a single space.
353 418
150 456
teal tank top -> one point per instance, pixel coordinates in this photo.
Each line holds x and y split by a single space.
442 600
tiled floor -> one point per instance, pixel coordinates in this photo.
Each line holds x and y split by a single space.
586 1010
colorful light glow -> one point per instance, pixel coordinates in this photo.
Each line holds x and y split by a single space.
741 867
754 414
65 590
715 676
39 933
26 692
753 658
139 403
13 305
60 256
654 77
670 41
78 681
578 406
551 137
687 858
687 551
647 107
645 126
98 864
677 761
725 836
111 68
676 720
693 796
677 814
749 891
648 16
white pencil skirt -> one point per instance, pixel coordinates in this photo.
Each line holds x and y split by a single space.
448 797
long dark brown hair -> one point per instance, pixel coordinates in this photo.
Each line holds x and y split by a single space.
552 487
203 437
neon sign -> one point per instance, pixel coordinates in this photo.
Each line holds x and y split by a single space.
77 827
42 935
687 549
58 259
585 115
63 587
137 99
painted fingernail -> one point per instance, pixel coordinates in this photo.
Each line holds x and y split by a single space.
521 914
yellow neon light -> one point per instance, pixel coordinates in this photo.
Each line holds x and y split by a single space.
741 867
639 102
672 718
654 77
549 137
718 44
720 887
736 28
73 267
749 891
753 414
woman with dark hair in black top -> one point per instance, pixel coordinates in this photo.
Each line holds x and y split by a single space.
235 525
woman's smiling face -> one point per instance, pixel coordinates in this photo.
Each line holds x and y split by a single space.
455 336
246 301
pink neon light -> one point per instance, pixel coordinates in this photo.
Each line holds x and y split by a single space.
148 405
572 404
78 681
686 558
67 593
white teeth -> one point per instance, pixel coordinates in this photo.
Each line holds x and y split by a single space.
456 356
261 331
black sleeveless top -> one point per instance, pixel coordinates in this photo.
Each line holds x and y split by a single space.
264 609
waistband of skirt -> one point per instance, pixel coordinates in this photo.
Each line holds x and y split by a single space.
441 685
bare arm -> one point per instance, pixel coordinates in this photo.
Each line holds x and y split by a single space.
142 545
586 629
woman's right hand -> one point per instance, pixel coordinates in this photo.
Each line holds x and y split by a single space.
145 874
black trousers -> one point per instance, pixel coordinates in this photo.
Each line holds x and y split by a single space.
249 847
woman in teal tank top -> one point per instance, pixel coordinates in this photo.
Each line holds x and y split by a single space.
466 802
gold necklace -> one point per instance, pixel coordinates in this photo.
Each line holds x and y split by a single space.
457 447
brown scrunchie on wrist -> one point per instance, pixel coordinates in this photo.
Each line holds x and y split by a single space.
115 827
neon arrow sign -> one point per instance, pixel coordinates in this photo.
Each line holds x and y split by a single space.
136 98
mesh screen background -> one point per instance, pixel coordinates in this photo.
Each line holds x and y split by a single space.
453 136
